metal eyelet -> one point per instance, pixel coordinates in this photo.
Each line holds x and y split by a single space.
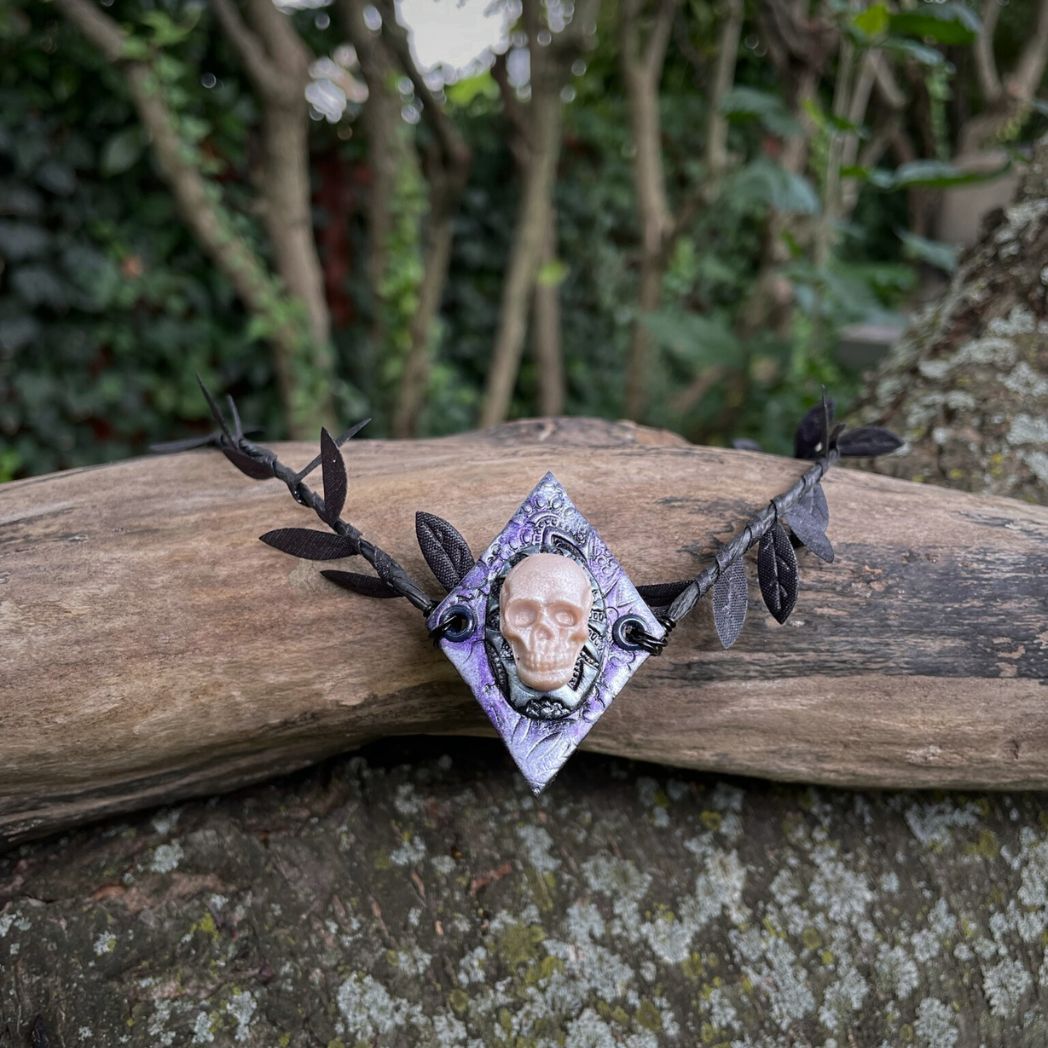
457 623
631 634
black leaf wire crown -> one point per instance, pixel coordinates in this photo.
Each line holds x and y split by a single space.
802 508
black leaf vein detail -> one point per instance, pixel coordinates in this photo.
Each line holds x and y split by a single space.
730 600
447 553
310 544
777 572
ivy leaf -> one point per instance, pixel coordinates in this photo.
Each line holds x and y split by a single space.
335 481
365 585
447 553
807 520
662 594
730 600
777 572
245 463
946 23
868 441
122 151
310 544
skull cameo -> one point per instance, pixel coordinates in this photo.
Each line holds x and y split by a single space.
545 607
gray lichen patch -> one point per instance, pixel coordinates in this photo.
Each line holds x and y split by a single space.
416 899
967 387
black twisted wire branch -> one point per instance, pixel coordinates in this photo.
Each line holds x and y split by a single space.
234 444
814 438
756 527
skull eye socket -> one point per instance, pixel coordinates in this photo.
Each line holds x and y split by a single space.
564 615
520 613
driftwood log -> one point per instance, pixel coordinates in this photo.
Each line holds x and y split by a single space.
152 649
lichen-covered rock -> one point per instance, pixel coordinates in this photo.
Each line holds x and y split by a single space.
968 385
419 895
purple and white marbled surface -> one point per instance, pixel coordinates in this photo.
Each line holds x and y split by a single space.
540 748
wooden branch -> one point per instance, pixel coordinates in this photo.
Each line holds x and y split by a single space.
659 35
716 122
1018 90
550 69
1029 69
985 62
454 150
515 110
248 46
154 649
277 64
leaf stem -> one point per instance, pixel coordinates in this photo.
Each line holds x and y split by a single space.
760 523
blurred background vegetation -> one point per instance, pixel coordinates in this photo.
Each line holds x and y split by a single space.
683 212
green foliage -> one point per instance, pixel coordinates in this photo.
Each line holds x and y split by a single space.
933 252
770 109
929 174
948 23
106 311
108 306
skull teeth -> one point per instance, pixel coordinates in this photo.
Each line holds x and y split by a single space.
538 663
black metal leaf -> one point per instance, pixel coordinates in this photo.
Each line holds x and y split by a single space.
808 519
216 414
815 501
777 572
868 441
310 544
247 465
335 480
351 432
730 600
366 585
447 553
808 440
662 594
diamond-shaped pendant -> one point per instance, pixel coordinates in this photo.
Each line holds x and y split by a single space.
546 650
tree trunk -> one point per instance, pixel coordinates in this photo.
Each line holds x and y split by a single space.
411 397
153 649
546 335
529 238
445 163
289 216
232 255
642 62
537 150
386 151
968 384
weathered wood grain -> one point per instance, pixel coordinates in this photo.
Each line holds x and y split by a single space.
152 649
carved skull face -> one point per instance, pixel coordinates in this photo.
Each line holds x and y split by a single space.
544 610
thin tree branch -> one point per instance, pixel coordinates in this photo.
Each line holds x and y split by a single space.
1023 81
1019 87
231 253
288 50
658 37
723 78
452 144
985 62
258 64
515 110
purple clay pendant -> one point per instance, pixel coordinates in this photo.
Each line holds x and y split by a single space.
545 629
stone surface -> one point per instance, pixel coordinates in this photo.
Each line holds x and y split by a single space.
417 894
